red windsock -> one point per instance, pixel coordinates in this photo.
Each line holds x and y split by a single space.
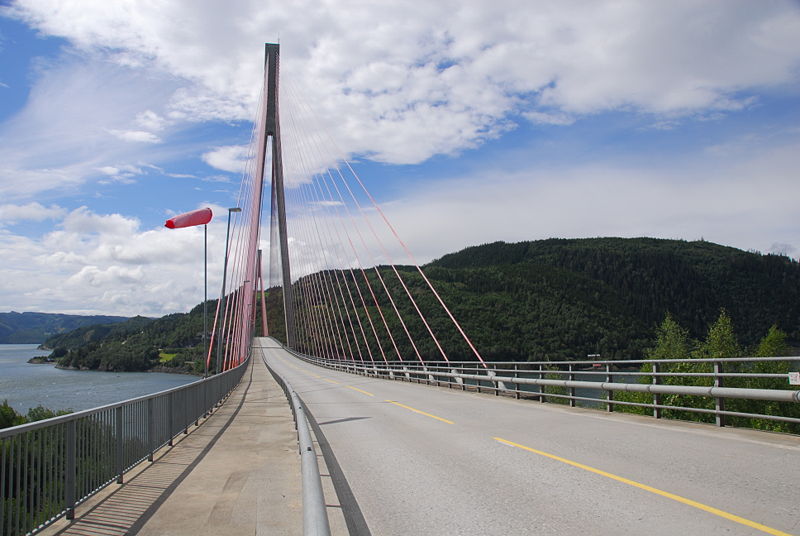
190 219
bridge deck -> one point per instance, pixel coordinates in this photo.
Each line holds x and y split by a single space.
237 473
425 460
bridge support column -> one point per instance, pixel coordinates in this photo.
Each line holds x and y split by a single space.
272 130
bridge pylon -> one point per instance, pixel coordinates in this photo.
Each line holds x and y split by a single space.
271 133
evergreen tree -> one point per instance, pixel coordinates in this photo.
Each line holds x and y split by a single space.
672 341
773 344
721 341
9 417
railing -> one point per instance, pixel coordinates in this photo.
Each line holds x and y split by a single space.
50 466
315 517
570 381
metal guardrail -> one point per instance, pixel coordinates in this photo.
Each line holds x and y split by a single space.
546 380
49 467
315 517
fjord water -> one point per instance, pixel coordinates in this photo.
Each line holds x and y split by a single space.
26 385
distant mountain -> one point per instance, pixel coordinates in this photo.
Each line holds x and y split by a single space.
94 333
31 328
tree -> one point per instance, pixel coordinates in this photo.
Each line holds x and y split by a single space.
9 417
40 413
721 341
672 341
773 344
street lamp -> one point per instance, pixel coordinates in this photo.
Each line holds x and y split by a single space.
192 219
224 278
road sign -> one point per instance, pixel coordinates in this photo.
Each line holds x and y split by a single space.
794 378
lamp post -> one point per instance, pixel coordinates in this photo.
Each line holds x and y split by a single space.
192 219
224 278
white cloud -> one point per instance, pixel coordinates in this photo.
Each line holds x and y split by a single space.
151 121
747 202
107 263
549 118
135 135
123 173
396 82
401 82
61 138
29 212
231 158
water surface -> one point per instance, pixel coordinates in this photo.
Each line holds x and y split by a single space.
27 386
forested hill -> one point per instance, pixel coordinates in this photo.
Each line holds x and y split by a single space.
172 342
548 299
30 328
605 295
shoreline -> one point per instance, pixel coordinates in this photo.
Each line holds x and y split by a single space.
162 369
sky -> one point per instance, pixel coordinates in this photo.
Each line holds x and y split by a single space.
470 122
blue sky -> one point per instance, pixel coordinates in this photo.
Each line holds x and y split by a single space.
475 122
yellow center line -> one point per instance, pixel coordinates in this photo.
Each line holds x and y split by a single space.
419 411
329 380
359 390
645 487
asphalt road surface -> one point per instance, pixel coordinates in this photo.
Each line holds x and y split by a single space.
427 460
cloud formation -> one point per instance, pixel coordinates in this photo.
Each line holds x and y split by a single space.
106 263
401 82
398 83
29 212
231 158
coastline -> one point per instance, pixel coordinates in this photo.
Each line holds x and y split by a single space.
159 368
41 360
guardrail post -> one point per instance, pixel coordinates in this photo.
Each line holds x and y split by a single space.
720 403
120 450
150 430
571 389
170 408
516 385
69 469
609 394
206 405
541 387
656 396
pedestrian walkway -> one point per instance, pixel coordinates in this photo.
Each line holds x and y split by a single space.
236 473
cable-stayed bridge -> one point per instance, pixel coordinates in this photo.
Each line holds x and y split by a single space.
404 427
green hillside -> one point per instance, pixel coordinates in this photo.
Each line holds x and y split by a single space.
547 299
172 342
561 299
33 328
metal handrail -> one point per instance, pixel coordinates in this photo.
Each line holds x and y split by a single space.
49 467
315 517
509 378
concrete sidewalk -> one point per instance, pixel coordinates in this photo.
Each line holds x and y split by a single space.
237 473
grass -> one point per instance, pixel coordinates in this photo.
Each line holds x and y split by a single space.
165 358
